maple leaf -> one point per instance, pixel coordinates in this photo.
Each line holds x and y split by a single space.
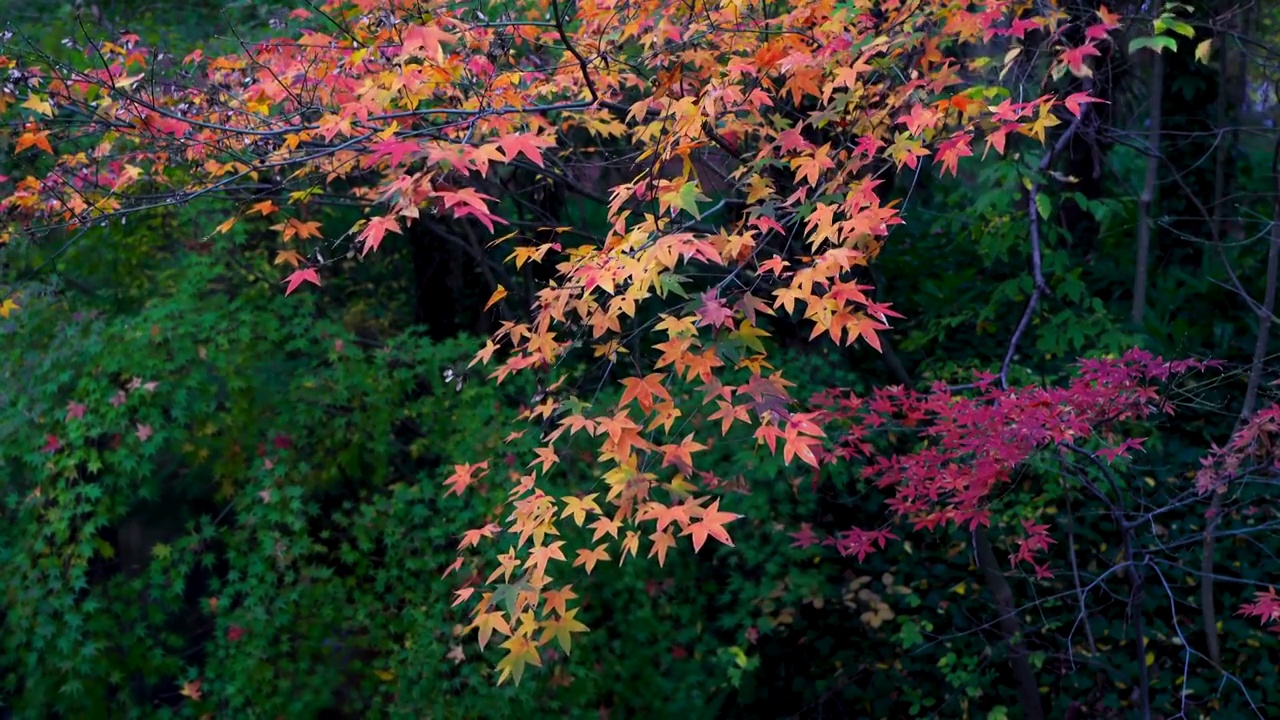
577 508
1109 19
562 629
424 41
1045 121
951 150
486 623
38 139
713 311
191 690
527 144
664 515
681 456
397 152
643 390
805 537
662 542
1075 100
38 104
792 140
521 651
463 476
711 524
541 555
1265 606
452 568
728 414
553 601
300 276
1075 59
294 227
75 411
685 198
589 558
8 307
497 296
373 233
264 208
288 256
144 432
226 225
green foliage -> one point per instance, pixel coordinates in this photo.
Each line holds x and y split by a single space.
251 501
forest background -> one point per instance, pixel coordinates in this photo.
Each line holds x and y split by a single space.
169 580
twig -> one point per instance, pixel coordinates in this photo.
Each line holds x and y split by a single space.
1037 272
1264 313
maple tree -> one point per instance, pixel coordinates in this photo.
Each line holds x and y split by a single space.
755 141
789 118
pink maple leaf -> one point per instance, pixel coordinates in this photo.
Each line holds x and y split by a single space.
75 411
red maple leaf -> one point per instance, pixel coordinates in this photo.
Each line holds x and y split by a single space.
395 150
1075 100
377 228
300 276
527 144
1075 59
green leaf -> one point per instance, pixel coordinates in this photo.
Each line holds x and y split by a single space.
1158 43
1043 205
687 197
1168 22
910 636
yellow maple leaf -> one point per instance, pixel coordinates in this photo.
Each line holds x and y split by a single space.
562 628
39 104
497 295
521 651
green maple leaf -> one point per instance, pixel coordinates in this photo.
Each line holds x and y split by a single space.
686 198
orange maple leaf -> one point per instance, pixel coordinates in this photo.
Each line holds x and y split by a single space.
464 475
264 208
711 524
643 390
589 558
33 139
487 622
662 542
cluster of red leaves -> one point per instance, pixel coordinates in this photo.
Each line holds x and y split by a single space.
1265 607
1250 450
966 447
